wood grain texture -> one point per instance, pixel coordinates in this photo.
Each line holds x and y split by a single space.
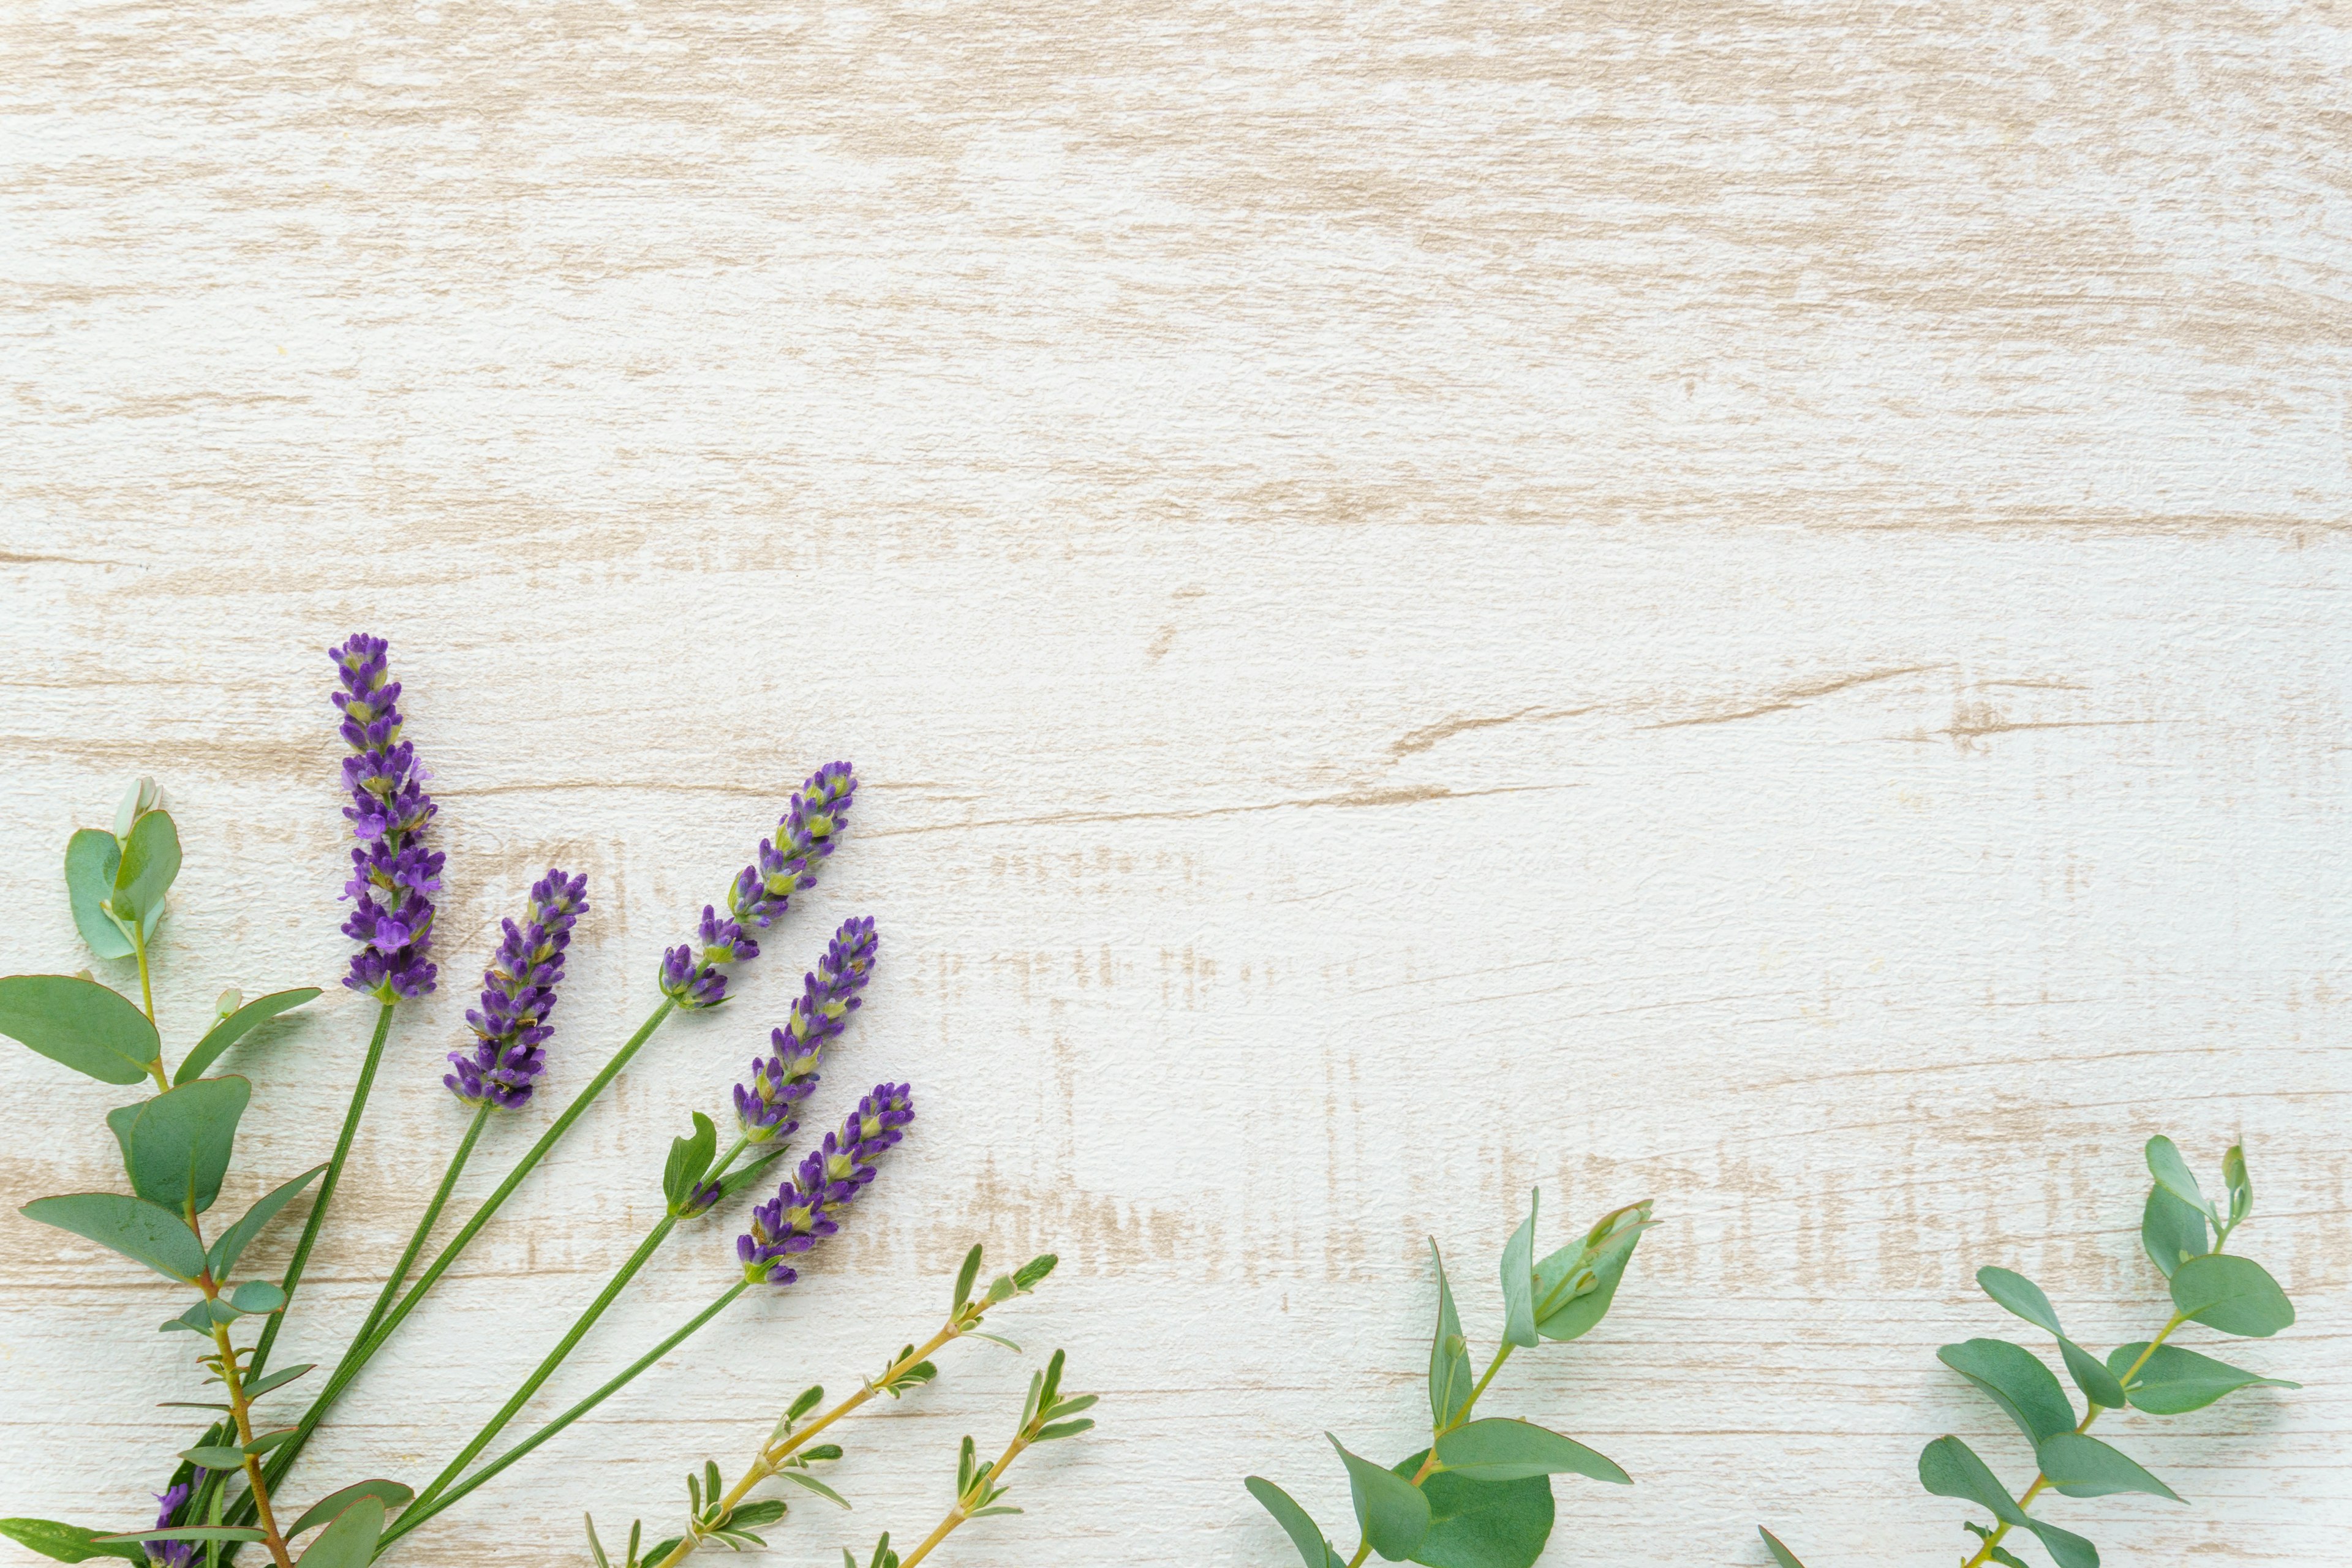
1740 604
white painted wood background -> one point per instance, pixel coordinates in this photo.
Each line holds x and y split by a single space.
1738 603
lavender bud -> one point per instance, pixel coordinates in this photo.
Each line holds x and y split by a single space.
806 1209
517 995
765 1106
173 1553
394 876
805 835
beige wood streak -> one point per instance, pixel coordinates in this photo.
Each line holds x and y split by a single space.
1738 604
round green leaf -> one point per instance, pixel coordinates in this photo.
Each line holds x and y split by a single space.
182 1141
2015 1379
2235 1295
1482 1524
150 860
257 1295
143 1232
92 855
2172 1232
2085 1467
237 1025
88 1026
2174 1381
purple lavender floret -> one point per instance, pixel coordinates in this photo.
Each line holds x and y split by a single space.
394 876
806 834
805 1208
765 1107
173 1553
517 995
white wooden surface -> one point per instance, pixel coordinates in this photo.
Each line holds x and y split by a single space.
1744 604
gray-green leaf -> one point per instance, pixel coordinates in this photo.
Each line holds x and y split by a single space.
182 1141
1519 1280
2235 1295
1449 1356
88 1026
2015 1379
1950 1467
150 860
92 855
2021 1296
1314 1549
1390 1509
2170 1231
257 1295
2173 1381
238 1025
1506 1450
2091 1376
67 1543
392 1494
2085 1467
231 1243
214 1456
2173 1174
143 1232
349 1541
2241 1190
1481 1524
1781 1554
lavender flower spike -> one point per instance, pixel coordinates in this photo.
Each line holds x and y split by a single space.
806 833
394 876
764 1106
173 1553
518 994
806 1209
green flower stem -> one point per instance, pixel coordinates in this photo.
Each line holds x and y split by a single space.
147 999
418 1512
282 1459
318 1219
546 1369
1984 1551
1429 1460
423 1226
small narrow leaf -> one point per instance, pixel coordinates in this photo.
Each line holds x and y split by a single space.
269 1440
1504 1450
74 1542
2173 1381
965 1277
150 860
2235 1295
88 1028
2021 1296
1060 1429
392 1494
143 1232
2015 1380
2173 1174
2085 1467
2241 1190
214 1455
230 1245
1781 1554
1450 1376
237 1025
1391 1510
2170 1231
802 1478
1519 1272
191 1532
92 855
278 1379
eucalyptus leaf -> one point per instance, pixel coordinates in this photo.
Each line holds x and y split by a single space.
1391 1510
231 1244
1519 1271
1950 1467
145 1231
2021 1296
92 855
2015 1379
237 1025
2235 1295
197 1319
68 1543
1604 1260
89 1027
151 860
214 1455
1506 1450
2078 1465
118 1121
392 1494
1481 1524
2173 1381
2173 1174
258 1295
277 1379
349 1540
1450 1377
2172 1232
1781 1554
2091 1376
182 1141
2242 1189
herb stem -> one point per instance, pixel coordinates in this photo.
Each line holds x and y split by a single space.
318 1219
554 1358
240 1409
980 1488
416 1514
423 1226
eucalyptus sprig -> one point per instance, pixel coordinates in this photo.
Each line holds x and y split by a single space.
725 1515
1480 1495
2183 1233
1047 1415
